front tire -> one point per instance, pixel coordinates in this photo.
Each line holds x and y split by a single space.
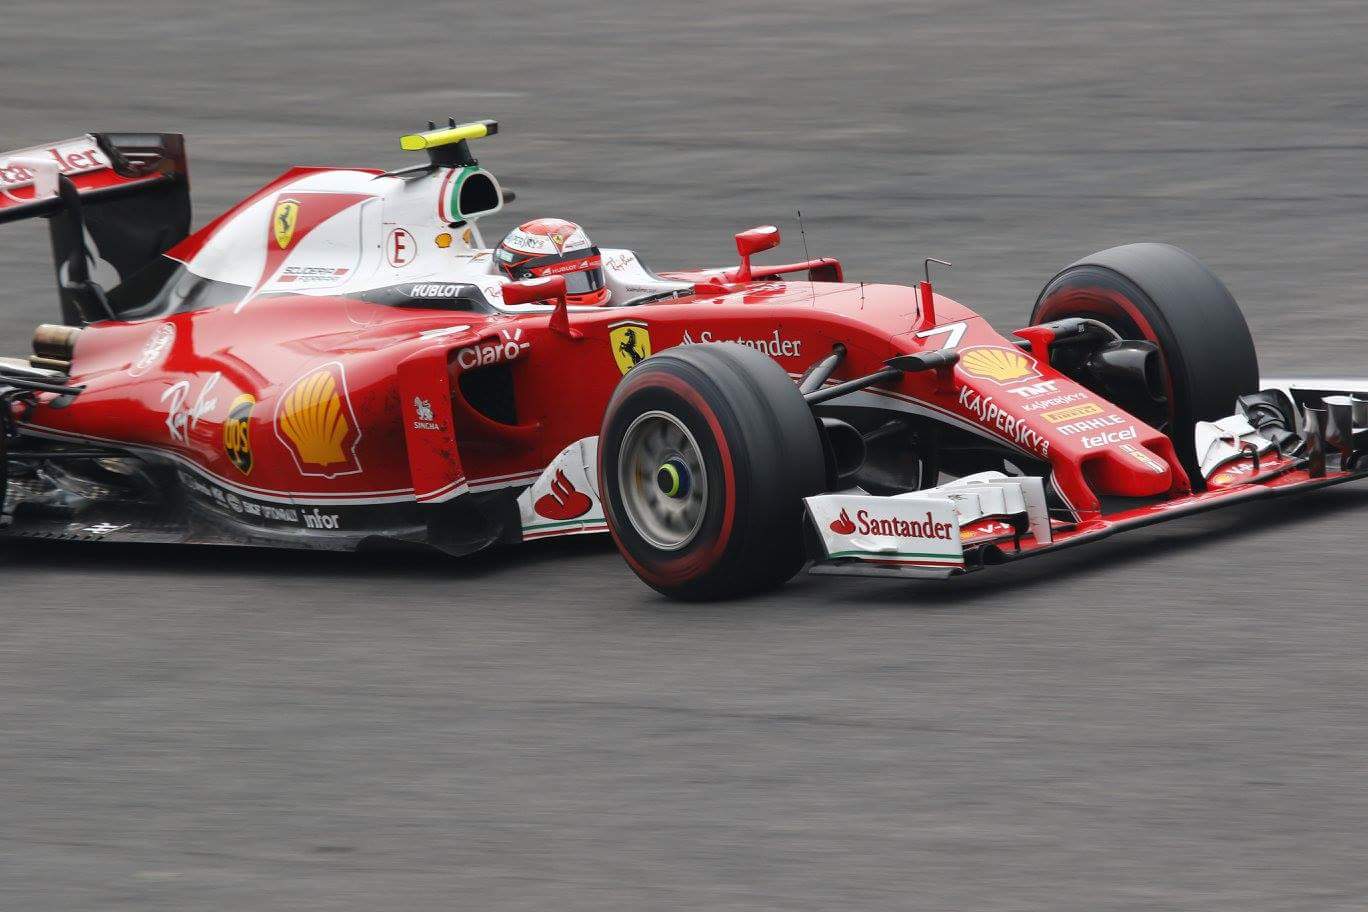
705 455
1165 295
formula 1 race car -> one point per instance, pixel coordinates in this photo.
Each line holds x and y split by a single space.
338 362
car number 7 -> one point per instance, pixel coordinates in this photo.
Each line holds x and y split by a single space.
953 332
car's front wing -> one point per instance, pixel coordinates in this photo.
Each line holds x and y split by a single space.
991 518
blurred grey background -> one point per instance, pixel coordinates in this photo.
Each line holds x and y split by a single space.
1172 720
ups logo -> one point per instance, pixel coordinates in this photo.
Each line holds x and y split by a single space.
237 435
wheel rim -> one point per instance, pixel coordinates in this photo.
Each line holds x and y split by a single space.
662 479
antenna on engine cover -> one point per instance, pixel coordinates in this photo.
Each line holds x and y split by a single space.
802 235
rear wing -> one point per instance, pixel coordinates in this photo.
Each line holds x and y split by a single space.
115 202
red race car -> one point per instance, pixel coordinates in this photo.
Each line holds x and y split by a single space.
340 362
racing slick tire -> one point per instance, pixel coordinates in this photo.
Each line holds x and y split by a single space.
705 455
1165 295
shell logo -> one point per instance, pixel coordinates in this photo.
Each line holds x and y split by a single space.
1001 365
315 420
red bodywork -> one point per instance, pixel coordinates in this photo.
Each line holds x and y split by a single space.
382 361
286 406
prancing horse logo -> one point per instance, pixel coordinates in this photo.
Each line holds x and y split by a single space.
631 341
283 221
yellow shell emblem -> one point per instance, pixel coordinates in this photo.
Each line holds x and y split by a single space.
284 220
1001 365
316 419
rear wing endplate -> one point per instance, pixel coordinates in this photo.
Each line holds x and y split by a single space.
115 203
102 166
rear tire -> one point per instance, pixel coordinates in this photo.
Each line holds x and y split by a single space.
743 450
1165 295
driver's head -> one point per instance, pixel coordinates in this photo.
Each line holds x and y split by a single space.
552 246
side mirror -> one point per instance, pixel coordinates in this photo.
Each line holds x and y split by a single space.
534 291
753 241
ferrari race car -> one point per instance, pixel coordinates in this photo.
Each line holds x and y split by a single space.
338 362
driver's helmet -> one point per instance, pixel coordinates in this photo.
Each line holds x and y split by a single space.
552 246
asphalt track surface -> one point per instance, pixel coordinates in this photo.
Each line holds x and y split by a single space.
1170 720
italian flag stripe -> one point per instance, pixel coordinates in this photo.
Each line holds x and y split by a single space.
563 522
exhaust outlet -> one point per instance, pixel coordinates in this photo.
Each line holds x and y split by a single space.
52 364
54 342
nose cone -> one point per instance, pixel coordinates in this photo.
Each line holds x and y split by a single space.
1128 470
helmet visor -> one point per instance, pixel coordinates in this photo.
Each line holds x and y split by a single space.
583 282
577 281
